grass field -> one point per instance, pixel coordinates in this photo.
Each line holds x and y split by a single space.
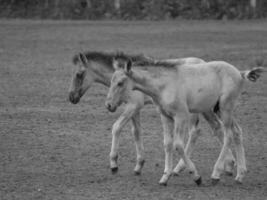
51 149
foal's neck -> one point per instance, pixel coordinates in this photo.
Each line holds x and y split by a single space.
102 73
143 82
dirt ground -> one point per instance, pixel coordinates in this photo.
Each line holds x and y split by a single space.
51 149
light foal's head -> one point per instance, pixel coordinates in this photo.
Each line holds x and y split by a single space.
81 79
121 86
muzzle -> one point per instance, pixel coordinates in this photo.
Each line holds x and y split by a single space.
110 107
74 97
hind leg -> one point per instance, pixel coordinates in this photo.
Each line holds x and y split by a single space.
241 160
226 105
231 129
219 165
218 130
229 162
224 134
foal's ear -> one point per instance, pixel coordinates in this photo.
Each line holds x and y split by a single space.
115 64
128 66
83 58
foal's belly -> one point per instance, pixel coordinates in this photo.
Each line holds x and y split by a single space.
202 103
203 95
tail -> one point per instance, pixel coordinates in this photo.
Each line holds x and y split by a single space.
253 74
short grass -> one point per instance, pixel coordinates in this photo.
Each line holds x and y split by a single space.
50 149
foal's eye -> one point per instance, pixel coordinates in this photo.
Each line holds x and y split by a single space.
120 84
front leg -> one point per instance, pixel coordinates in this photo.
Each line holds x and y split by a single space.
168 148
194 133
128 113
191 142
180 126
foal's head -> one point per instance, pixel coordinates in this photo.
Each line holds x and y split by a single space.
81 79
97 67
121 86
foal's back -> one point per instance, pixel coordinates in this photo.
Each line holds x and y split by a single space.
202 85
218 72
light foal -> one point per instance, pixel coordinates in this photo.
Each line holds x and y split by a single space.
91 67
210 89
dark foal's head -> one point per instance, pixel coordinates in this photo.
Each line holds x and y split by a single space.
81 79
94 67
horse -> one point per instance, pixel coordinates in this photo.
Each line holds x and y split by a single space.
123 92
97 67
178 91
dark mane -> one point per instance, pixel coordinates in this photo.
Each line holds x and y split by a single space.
145 61
166 64
102 57
107 58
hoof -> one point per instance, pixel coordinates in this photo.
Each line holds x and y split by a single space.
114 170
138 168
238 181
164 179
215 181
198 181
163 184
137 173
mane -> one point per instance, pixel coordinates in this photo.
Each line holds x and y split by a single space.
96 56
144 61
107 58
137 60
167 64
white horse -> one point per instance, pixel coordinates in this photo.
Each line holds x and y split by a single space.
97 67
178 91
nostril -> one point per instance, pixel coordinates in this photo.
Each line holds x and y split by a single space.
73 98
108 106
70 97
80 92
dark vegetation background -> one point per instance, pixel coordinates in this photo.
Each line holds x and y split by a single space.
133 9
